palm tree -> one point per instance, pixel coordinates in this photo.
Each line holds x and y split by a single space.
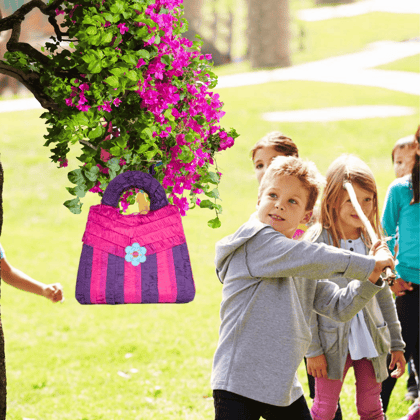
269 33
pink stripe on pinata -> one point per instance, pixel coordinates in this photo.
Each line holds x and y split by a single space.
164 278
172 275
98 278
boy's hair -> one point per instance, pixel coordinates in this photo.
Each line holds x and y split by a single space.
305 171
407 141
281 143
347 168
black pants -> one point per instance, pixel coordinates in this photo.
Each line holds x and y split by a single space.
408 314
230 406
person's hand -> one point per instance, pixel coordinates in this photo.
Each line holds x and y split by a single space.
317 366
400 287
53 292
398 359
383 259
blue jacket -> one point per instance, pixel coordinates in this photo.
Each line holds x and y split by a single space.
399 213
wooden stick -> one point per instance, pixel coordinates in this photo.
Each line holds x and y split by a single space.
389 274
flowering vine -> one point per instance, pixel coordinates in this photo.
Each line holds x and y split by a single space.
135 95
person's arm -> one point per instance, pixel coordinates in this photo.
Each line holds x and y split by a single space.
390 216
270 254
22 281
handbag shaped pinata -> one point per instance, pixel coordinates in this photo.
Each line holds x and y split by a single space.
134 258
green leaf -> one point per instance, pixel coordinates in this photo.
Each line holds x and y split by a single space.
143 148
116 151
80 190
95 66
92 175
214 223
207 204
97 132
91 30
117 7
132 75
112 81
148 132
165 59
106 37
117 71
121 142
143 54
213 193
75 206
76 177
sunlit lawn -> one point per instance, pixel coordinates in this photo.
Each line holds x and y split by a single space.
135 362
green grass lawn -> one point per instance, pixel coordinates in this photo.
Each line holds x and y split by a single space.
135 362
405 64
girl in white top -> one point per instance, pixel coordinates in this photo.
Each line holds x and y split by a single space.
365 340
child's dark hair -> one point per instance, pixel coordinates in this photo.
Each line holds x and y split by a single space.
416 170
281 143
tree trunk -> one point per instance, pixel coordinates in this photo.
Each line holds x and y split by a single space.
192 12
2 356
326 2
269 33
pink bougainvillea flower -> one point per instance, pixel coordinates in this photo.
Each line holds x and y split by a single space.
117 102
140 63
123 28
83 108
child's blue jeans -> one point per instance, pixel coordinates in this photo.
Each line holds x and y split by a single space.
230 406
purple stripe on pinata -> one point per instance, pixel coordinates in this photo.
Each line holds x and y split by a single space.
84 275
184 276
149 282
115 280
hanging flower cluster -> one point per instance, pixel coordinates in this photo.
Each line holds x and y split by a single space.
135 95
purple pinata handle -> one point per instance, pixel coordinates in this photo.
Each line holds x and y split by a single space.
135 179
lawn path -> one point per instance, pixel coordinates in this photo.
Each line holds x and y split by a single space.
352 69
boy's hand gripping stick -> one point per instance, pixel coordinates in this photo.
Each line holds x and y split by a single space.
389 275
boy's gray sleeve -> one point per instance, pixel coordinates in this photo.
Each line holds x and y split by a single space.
270 254
315 348
342 304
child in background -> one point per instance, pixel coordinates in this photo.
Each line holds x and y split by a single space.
265 309
265 150
365 340
402 211
22 281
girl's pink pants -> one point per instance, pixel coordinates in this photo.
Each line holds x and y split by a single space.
368 401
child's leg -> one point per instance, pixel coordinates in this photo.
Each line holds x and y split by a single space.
327 393
230 406
368 391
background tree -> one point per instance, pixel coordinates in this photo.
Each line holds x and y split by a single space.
269 33
130 89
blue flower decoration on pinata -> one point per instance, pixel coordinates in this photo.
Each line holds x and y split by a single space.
135 254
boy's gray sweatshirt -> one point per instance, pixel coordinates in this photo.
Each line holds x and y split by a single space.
266 308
